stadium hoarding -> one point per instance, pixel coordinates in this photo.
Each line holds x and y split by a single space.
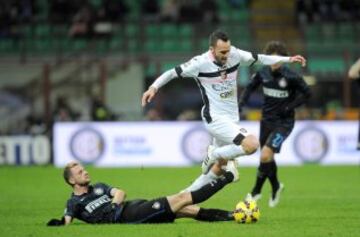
25 150
122 144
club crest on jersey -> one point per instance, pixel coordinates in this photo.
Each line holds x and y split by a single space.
282 83
156 205
223 75
98 191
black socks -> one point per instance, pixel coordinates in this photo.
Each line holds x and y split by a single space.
266 170
214 215
260 179
210 189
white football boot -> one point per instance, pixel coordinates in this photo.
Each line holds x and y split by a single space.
209 161
250 197
276 200
232 167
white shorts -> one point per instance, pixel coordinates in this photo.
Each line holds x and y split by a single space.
224 130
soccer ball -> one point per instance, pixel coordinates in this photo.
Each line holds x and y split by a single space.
246 212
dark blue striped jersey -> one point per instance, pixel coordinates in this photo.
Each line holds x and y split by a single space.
93 206
283 91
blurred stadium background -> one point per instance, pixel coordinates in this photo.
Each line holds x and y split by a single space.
90 60
66 64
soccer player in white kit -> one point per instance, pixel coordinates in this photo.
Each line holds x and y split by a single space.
215 72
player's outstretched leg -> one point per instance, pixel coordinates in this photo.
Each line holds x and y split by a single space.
242 146
180 200
204 214
216 171
266 170
200 181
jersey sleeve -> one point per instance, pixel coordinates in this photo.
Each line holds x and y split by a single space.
189 69
70 208
299 84
254 83
247 58
354 71
303 92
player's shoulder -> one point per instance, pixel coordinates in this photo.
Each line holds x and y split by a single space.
290 73
100 185
237 51
72 200
197 61
263 72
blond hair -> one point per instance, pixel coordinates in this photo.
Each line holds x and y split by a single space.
67 171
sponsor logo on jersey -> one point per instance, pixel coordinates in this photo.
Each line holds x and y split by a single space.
156 205
92 206
223 86
275 93
226 94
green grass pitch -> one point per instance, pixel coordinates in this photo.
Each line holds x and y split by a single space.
317 201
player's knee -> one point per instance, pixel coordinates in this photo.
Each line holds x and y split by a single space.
267 155
183 198
217 168
250 144
221 162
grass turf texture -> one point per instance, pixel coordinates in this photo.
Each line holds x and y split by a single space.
317 201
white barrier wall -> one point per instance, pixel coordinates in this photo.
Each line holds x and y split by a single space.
25 150
184 143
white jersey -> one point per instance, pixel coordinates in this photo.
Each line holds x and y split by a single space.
217 83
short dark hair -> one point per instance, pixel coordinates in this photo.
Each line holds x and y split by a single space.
217 35
67 171
276 47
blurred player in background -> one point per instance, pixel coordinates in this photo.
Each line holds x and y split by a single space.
354 73
100 203
284 90
215 72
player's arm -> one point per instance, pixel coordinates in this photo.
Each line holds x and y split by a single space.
303 93
65 220
68 220
69 213
188 69
117 201
159 82
248 58
118 196
254 83
354 72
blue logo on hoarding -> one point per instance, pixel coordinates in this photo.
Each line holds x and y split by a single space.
131 145
195 142
311 145
87 145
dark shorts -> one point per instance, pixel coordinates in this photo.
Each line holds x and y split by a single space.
144 211
273 135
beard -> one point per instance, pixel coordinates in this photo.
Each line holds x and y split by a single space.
84 183
220 61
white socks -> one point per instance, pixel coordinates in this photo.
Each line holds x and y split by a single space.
202 180
228 152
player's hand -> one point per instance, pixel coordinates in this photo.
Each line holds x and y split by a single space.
118 208
56 222
298 59
148 95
